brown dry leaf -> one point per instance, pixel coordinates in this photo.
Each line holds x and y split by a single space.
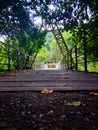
46 91
1 72
26 73
14 74
94 93
50 91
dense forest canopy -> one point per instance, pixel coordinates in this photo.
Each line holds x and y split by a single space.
18 15
17 19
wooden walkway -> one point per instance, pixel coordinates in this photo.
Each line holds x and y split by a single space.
57 80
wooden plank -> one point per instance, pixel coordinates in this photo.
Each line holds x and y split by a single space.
38 79
3 89
63 80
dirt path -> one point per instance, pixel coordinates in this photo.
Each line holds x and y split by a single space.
55 111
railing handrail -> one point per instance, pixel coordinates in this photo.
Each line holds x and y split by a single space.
78 55
20 56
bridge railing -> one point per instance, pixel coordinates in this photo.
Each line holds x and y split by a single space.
79 55
13 58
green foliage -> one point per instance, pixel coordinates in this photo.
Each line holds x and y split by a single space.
33 42
49 38
93 67
54 54
50 52
78 16
42 56
69 39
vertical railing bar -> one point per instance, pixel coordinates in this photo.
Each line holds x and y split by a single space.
76 57
9 59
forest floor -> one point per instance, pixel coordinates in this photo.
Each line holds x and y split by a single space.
53 111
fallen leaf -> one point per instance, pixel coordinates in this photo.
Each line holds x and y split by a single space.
50 91
76 103
14 74
1 72
46 91
94 93
26 73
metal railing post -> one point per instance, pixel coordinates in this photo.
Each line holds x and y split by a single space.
76 57
85 53
18 60
71 60
25 56
9 59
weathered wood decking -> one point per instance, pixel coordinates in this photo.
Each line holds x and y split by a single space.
58 80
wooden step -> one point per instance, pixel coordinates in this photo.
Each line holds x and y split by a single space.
57 80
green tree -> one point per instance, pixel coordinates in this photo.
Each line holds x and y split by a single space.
55 54
42 55
78 16
49 38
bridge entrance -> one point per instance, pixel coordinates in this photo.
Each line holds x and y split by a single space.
49 66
